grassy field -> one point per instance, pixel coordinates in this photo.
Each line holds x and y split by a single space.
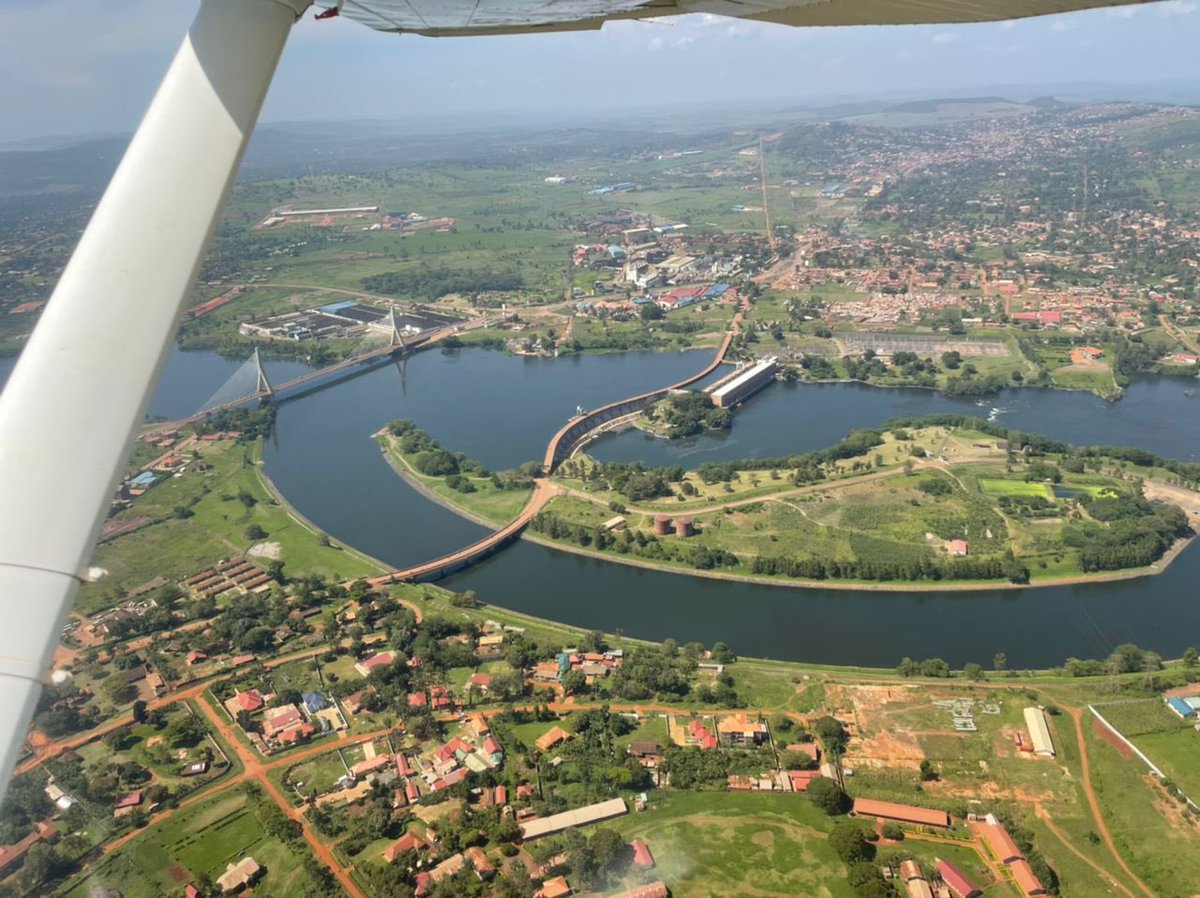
174 547
201 839
719 845
1168 741
489 502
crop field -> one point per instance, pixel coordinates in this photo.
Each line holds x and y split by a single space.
1167 740
201 839
990 487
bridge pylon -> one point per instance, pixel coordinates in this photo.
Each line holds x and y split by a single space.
262 385
395 335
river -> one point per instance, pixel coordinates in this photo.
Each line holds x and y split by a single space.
502 409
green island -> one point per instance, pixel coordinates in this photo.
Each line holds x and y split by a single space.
929 502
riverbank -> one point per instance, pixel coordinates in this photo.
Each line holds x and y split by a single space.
868 585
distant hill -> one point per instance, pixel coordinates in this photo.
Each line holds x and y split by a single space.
930 113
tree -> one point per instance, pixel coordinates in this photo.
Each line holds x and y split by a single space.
140 714
828 796
611 851
255 532
928 774
1000 661
1191 657
848 840
973 671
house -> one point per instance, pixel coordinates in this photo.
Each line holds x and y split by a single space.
737 730
958 547
910 869
314 702
126 803
918 888
552 737
353 702
956 881
645 751
558 887
410 841
297 732
190 891
238 876
484 868
249 701
276 720
903 813
641 854
806 748
381 659
700 735
370 765
194 769
800 780
194 658
482 682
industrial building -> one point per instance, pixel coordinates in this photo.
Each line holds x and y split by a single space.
1039 732
593 813
903 813
746 383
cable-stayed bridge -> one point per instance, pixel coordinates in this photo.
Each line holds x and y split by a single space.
250 384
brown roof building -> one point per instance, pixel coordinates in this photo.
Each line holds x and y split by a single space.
1000 843
904 813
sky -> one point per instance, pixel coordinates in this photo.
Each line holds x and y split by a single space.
76 67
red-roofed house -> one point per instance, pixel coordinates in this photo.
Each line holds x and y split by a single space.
801 779
551 738
1000 843
402 766
482 682
641 854
370 765
250 701
410 841
417 700
196 658
382 659
701 735
297 732
275 720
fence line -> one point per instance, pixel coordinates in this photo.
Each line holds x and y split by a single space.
1141 754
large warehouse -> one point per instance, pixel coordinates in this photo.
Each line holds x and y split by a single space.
1039 732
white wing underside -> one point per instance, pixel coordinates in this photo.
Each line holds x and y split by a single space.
467 17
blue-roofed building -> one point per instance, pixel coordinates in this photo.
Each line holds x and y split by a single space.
334 307
144 481
314 702
715 290
1182 708
616 252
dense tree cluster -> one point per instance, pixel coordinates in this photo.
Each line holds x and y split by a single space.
1126 531
688 413
913 569
428 283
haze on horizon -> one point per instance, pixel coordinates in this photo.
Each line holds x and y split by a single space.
77 67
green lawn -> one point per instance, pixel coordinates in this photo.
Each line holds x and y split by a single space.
727 845
991 487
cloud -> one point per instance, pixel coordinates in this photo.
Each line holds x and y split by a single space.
945 37
1122 12
1060 25
1176 8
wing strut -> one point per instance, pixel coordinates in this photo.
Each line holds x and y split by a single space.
86 376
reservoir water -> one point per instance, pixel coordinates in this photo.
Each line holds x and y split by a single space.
501 409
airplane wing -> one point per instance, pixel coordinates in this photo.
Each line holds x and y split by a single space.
442 18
